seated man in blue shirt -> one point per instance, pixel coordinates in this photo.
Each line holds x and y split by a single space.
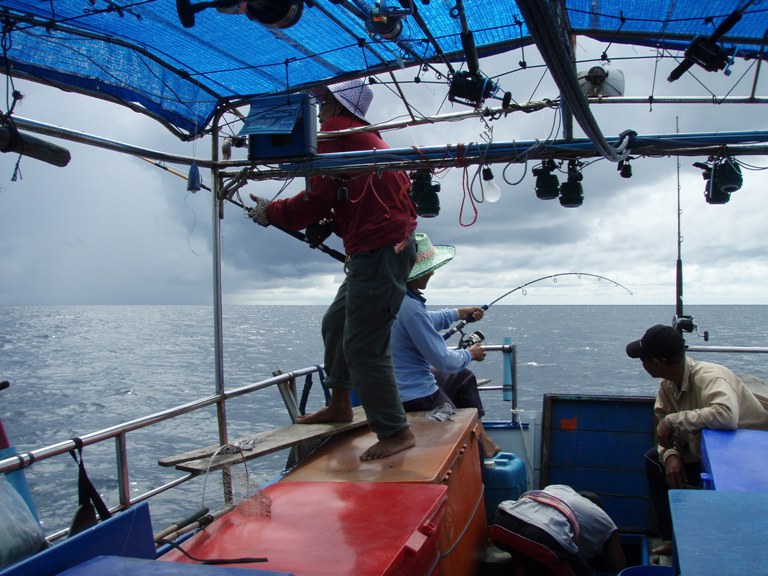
428 372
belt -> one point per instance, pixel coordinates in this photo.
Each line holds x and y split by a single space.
548 499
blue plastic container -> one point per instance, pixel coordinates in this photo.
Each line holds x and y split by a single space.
505 478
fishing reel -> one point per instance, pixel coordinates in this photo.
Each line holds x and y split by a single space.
476 337
319 232
686 323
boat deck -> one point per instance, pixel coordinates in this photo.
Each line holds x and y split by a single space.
310 500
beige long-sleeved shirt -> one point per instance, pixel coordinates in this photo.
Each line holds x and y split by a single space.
711 396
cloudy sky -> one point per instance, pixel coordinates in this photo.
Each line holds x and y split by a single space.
113 229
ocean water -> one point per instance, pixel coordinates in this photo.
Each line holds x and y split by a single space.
78 369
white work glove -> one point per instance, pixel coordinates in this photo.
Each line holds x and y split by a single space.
259 212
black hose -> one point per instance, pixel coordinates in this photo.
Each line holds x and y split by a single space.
214 561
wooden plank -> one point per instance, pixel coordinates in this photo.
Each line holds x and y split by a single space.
260 444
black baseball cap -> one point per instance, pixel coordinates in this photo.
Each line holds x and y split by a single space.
659 341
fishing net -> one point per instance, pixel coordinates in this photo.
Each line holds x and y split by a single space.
241 488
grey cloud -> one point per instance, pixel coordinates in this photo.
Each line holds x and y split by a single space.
113 229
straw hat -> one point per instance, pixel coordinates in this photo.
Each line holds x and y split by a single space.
428 257
355 95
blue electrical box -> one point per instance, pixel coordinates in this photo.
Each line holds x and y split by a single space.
281 127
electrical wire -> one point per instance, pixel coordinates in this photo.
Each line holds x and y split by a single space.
547 34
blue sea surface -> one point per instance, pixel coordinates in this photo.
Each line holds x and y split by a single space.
78 369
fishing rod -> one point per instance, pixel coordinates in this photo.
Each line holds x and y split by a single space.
313 242
682 322
462 323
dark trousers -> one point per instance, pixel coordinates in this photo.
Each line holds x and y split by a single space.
535 549
461 388
657 484
356 331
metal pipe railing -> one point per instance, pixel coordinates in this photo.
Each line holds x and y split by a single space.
729 349
24 459
119 433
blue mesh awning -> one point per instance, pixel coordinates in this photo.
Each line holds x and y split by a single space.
139 54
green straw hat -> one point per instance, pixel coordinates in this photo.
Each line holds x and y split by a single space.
428 257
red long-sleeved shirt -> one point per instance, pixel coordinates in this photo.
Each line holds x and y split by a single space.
377 211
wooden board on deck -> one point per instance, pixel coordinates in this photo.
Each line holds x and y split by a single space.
260 444
439 446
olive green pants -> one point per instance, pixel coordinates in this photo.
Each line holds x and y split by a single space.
356 334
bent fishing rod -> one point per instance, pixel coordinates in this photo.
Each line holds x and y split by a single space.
462 323
298 235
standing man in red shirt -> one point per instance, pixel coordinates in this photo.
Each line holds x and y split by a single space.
374 216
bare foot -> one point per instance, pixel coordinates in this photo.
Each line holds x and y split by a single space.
339 410
385 447
488 446
663 550
328 414
490 449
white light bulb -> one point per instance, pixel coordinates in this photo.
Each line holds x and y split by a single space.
491 191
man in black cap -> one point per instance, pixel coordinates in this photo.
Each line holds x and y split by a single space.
692 395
